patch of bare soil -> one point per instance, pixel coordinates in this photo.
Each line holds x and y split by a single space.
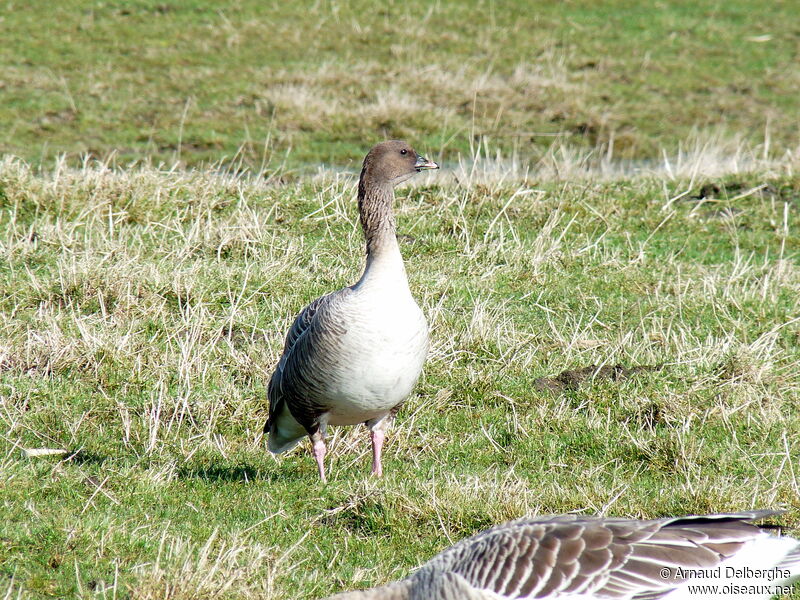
571 379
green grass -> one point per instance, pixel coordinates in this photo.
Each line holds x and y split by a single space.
303 83
142 312
641 210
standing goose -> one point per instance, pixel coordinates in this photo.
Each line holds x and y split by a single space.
568 557
353 356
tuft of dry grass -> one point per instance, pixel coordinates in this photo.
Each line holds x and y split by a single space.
183 571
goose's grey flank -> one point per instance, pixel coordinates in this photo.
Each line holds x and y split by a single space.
353 356
578 558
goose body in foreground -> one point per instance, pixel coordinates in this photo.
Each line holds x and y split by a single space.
353 356
569 557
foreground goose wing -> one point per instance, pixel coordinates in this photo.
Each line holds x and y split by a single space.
577 558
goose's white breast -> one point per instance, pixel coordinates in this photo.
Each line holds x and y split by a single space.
381 356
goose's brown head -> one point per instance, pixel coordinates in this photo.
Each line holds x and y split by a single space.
392 162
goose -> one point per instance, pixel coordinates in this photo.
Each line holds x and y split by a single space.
569 557
354 355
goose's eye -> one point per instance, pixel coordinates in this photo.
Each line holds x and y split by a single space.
403 151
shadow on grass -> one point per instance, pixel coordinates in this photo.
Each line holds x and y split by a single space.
86 458
232 473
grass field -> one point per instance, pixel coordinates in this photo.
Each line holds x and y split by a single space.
609 263
304 83
142 311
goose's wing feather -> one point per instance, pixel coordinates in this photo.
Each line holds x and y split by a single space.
300 325
303 321
318 319
574 556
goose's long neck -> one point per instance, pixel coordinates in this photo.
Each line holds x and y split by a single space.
377 220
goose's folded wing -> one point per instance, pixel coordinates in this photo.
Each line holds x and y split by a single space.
603 558
300 325
303 321
317 318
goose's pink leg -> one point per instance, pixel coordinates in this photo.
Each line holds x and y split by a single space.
318 450
376 435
